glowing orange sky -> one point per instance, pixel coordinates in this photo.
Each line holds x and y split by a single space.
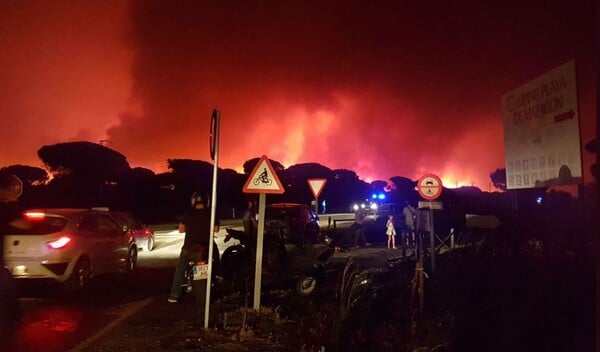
395 90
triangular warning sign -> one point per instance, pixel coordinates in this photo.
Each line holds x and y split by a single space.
263 179
316 185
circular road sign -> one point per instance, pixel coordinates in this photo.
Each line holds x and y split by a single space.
429 186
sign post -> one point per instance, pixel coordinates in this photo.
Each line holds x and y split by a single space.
316 186
430 188
13 191
262 180
214 154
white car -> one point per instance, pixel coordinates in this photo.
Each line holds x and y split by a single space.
69 246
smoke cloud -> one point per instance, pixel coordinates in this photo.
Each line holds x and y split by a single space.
382 89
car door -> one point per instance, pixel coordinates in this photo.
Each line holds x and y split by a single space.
95 243
117 241
107 245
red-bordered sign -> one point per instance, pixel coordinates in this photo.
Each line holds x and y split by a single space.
13 190
263 179
429 186
316 185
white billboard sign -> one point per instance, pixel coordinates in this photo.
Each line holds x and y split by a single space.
541 131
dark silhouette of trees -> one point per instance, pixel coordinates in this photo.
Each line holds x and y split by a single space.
295 181
30 175
250 164
402 189
84 159
378 186
85 174
343 189
34 180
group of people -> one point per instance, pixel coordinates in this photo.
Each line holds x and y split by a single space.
410 215
408 233
196 226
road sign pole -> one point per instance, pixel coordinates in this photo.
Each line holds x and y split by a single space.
259 249
214 150
431 239
262 180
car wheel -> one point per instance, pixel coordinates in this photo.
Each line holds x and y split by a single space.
131 259
306 285
81 275
150 244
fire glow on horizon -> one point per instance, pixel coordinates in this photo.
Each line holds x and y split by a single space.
382 90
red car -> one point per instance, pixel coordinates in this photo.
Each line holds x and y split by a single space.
144 235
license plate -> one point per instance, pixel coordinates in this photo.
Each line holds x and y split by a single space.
19 270
200 272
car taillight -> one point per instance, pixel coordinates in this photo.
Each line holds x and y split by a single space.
59 243
148 231
35 215
201 263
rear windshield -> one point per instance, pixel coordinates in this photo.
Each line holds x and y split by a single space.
47 225
282 214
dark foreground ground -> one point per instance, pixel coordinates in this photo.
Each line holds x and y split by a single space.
473 302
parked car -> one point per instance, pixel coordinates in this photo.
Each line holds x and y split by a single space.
299 224
68 246
144 235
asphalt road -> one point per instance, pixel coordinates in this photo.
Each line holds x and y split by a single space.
51 322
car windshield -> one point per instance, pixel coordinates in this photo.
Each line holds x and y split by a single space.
282 213
41 226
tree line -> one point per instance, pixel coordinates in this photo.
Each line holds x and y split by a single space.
86 174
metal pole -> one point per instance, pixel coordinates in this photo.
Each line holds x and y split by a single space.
431 239
213 210
259 249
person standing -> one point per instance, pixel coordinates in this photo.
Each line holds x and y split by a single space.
249 220
196 226
391 232
358 229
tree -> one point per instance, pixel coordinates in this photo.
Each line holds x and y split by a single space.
295 182
498 178
403 184
378 186
403 189
28 174
249 165
83 158
343 188
85 174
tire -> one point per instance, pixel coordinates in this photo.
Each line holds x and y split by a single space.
80 276
149 244
306 285
131 259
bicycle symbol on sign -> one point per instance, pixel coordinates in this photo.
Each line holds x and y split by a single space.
263 178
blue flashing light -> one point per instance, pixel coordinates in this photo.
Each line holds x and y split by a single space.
374 196
381 196
539 200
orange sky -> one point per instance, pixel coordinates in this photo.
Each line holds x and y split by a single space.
384 90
